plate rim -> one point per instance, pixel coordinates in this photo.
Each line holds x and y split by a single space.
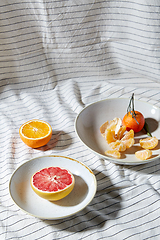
138 162
61 217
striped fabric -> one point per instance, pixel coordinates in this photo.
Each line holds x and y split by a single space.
56 57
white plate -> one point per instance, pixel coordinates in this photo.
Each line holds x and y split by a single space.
23 195
89 120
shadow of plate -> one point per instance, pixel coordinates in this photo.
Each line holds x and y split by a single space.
77 195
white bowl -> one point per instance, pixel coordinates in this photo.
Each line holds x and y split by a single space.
89 120
26 199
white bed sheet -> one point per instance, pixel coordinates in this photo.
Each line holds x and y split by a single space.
56 57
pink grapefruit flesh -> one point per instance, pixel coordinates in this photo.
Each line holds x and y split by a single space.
52 183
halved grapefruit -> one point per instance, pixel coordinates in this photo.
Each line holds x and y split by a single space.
52 183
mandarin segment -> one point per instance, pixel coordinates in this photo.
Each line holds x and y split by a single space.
103 128
143 154
128 142
149 142
112 125
110 136
113 153
115 124
118 145
128 135
121 132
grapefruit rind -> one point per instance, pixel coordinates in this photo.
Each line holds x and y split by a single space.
35 142
53 196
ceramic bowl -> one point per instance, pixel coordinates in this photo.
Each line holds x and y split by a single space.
89 120
26 199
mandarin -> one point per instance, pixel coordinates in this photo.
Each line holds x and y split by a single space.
133 120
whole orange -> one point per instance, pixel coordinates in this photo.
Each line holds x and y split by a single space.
134 120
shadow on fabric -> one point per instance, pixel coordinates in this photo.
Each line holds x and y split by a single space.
104 207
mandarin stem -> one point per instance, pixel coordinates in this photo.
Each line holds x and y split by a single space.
130 108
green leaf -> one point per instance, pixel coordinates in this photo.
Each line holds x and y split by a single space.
146 128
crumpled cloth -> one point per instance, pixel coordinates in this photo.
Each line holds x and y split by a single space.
56 57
